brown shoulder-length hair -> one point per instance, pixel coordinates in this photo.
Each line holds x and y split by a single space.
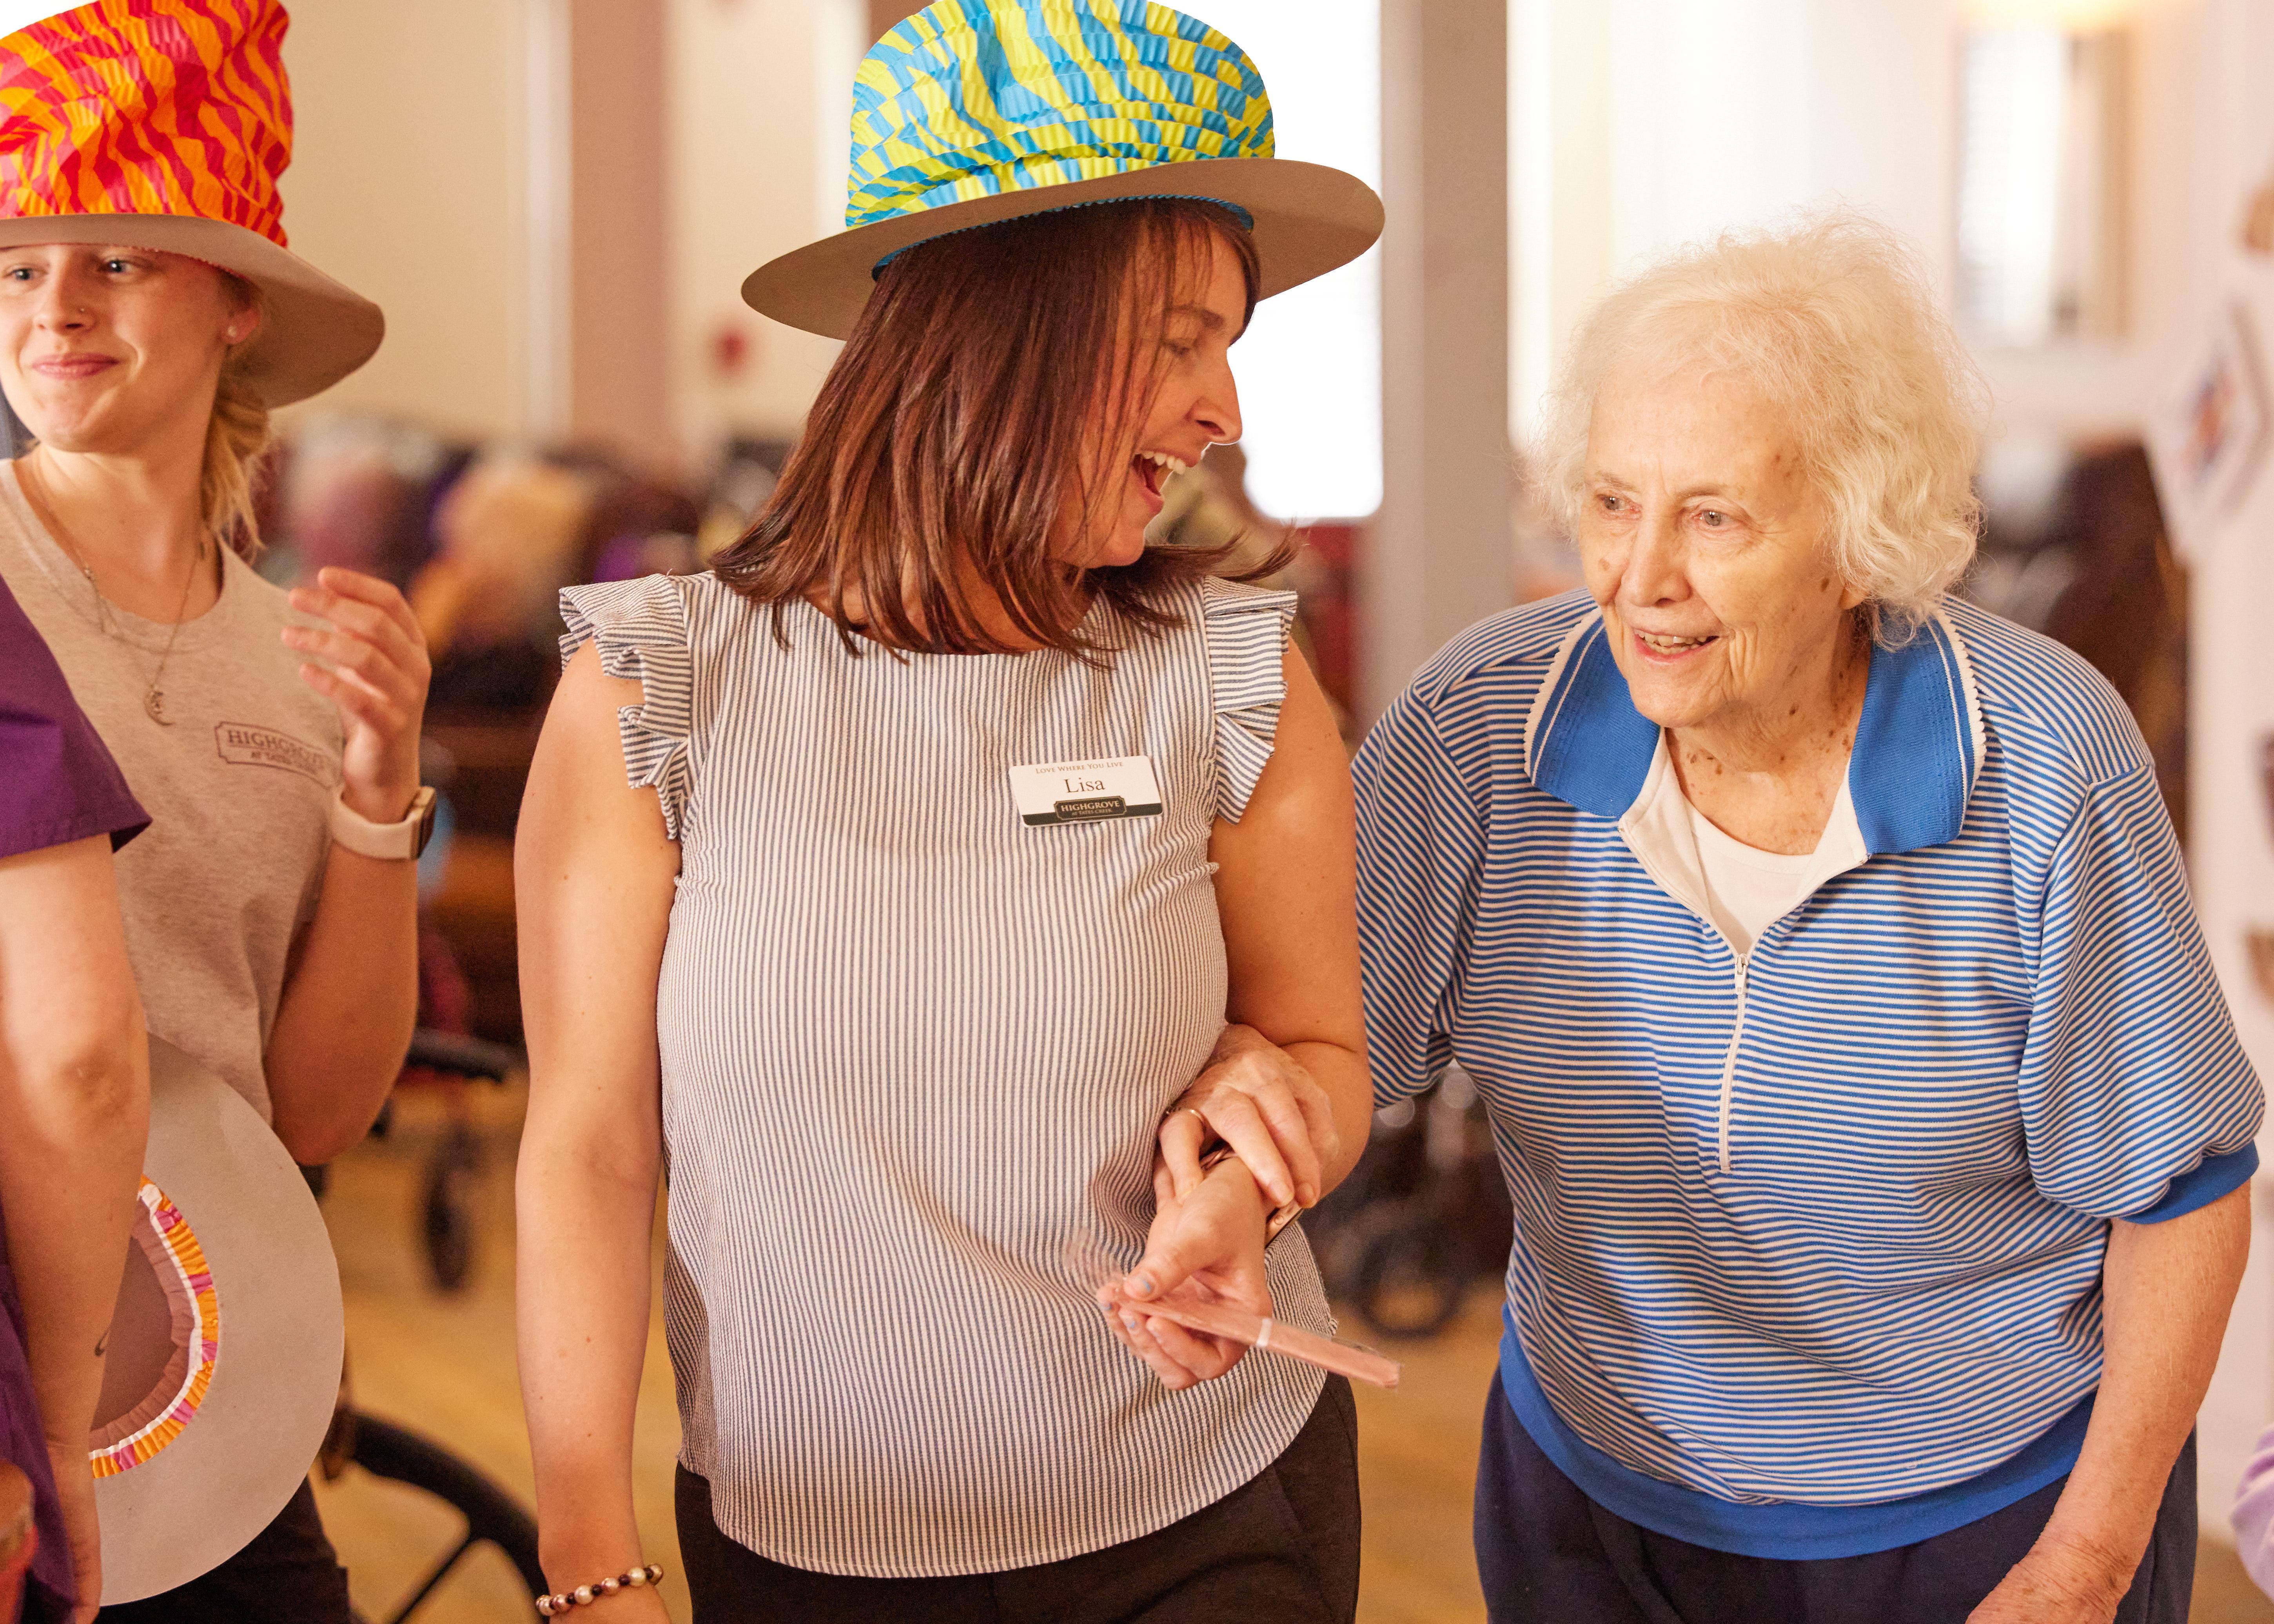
995 376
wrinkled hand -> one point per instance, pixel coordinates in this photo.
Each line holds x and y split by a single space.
1211 1242
1259 1100
374 670
2058 1582
75 1489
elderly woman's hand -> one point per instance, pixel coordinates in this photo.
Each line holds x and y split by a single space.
1209 1241
2060 1581
1258 1099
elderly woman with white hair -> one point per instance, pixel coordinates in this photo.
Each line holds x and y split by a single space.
1876 1130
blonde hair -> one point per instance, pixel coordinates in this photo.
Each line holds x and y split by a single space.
238 441
1837 320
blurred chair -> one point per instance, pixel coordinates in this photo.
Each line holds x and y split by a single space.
745 476
509 534
2125 608
359 492
1208 505
2074 547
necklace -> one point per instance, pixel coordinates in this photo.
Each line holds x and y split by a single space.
154 696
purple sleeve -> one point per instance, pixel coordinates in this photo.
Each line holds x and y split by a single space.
23 1442
2254 1513
60 784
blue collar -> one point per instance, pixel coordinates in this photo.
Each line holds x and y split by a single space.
1918 744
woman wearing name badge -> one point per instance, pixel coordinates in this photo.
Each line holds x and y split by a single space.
74 1103
899 880
150 318
1878 1136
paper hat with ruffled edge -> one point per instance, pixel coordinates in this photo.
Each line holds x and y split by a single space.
974 111
225 1344
164 125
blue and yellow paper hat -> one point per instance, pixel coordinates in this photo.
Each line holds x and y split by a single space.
974 111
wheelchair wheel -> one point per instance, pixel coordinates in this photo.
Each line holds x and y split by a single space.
1412 1270
493 1517
449 1209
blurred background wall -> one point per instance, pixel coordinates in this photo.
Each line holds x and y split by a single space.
408 183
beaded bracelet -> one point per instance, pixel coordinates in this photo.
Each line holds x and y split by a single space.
599 1589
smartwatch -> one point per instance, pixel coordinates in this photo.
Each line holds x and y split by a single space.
399 842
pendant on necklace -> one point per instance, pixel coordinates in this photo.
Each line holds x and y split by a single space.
154 703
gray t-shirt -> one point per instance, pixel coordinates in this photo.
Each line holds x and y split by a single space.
238 785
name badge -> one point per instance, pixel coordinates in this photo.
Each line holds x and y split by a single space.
1083 791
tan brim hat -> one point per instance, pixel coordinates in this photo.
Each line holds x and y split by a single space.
1309 219
314 331
224 1354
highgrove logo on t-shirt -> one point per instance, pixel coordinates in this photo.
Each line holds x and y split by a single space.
244 745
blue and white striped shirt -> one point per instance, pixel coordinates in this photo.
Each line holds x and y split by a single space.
1808 1242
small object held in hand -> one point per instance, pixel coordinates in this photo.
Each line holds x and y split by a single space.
1328 1353
1276 1221
599 1589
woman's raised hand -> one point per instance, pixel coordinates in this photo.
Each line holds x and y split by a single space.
1210 1241
1258 1099
374 669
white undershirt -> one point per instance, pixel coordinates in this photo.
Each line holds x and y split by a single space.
1750 890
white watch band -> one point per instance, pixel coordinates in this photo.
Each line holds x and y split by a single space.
387 842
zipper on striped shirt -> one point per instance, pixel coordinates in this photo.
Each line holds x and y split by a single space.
1669 880
1729 1061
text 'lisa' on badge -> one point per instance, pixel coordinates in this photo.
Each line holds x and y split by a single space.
1084 792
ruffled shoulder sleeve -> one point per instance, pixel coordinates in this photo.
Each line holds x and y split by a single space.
1247 629
642 630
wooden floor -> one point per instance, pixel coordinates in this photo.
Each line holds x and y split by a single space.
444 1365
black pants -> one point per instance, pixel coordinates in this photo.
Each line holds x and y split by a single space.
288 1574
1549 1554
1281 1549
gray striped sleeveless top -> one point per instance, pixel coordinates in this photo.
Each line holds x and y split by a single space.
911 1046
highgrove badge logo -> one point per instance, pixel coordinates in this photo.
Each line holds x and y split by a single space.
244 745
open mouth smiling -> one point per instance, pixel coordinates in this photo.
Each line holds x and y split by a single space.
1154 469
1669 645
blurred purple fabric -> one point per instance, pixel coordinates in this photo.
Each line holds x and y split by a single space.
2254 1513
47 1595
59 784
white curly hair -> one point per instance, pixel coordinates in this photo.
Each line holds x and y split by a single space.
1837 320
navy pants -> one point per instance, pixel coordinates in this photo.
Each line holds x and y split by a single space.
287 1576
1549 1554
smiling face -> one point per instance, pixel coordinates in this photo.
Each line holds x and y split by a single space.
1704 541
1195 404
104 349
